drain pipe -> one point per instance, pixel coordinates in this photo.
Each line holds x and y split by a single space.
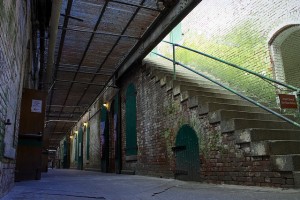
55 14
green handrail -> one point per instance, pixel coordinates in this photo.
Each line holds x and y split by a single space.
230 89
236 66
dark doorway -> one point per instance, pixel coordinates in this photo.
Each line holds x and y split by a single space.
187 154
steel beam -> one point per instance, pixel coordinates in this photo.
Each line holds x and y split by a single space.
98 33
136 5
78 82
81 72
156 33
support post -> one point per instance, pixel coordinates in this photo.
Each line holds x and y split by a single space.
174 62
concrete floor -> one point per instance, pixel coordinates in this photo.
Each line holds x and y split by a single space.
72 184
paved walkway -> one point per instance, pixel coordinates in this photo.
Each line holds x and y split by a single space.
73 185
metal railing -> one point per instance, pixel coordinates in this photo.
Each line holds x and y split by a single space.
270 81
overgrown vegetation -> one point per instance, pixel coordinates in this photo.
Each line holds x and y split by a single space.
242 46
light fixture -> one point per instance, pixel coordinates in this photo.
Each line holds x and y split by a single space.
105 105
71 136
75 132
85 124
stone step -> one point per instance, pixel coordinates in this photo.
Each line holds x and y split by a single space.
200 99
164 65
161 73
240 123
256 135
286 162
275 147
210 107
185 95
178 88
168 79
172 84
218 115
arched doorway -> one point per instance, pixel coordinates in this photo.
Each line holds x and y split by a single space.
187 154
284 50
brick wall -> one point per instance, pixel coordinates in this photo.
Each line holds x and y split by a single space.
159 118
160 115
14 34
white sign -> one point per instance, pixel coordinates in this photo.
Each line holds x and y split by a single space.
36 106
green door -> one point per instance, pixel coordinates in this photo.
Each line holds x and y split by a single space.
131 140
104 127
117 135
80 149
65 155
187 154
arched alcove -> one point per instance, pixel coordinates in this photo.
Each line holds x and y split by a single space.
187 154
284 50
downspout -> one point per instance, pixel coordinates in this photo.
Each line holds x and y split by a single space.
55 14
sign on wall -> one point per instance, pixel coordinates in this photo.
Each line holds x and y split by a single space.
287 101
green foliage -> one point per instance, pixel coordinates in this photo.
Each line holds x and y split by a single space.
242 46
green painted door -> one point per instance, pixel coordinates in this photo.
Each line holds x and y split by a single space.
117 136
187 154
65 154
104 127
80 149
88 142
131 140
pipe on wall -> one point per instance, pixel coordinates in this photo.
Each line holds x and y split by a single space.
55 14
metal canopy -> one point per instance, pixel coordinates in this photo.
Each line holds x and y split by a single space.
94 37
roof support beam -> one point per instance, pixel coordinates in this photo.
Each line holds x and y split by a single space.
157 32
135 5
78 82
98 33
111 50
81 72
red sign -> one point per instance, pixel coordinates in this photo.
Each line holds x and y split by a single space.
287 101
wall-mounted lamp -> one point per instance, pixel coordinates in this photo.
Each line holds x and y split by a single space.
106 105
85 124
75 132
71 136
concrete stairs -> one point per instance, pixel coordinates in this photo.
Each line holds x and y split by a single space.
266 134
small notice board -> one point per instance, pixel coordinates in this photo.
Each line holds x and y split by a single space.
287 101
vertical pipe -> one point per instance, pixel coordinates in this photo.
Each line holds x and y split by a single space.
55 13
174 62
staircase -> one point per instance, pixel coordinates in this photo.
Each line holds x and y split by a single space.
266 134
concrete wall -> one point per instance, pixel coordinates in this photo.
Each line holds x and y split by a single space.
14 35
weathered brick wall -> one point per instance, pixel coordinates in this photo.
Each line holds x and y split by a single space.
160 115
14 34
239 31
159 118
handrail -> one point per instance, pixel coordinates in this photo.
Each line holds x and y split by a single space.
232 90
236 66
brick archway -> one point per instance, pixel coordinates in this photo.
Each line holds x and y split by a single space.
284 51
